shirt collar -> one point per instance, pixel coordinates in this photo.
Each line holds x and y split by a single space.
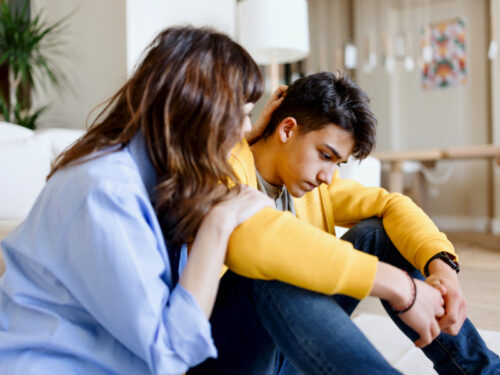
273 191
139 152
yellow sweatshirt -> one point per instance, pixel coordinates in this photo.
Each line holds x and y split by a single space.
304 251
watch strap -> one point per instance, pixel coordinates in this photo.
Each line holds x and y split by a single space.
445 258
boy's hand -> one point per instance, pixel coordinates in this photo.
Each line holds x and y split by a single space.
272 104
446 281
424 315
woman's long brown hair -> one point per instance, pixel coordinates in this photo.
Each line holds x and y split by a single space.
186 97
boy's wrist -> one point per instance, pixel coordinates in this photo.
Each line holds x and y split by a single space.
392 285
407 302
440 262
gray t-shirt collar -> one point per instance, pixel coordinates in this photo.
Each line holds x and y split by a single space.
279 194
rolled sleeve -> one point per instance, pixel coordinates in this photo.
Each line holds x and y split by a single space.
189 330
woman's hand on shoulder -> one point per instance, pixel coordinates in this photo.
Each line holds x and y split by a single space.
233 211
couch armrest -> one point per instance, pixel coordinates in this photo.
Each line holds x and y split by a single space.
367 172
60 138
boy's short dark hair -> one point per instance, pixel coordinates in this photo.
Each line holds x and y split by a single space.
324 98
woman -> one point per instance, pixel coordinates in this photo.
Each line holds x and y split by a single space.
91 285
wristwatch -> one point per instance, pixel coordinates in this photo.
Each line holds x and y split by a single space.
445 258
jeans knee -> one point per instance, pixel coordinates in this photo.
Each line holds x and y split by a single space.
373 223
372 227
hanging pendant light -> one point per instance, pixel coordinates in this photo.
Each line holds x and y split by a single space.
387 42
350 56
370 57
409 63
388 59
427 53
370 52
493 48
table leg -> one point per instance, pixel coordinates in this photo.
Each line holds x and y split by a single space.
396 177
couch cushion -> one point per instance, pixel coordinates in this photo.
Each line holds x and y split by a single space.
24 165
13 132
61 138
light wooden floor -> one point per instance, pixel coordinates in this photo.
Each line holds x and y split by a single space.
479 276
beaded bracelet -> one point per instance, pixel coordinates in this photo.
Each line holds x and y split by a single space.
404 309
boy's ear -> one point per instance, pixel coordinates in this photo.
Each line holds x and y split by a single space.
286 128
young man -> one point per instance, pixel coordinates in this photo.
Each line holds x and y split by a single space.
322 120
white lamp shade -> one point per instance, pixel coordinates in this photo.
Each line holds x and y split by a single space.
274 31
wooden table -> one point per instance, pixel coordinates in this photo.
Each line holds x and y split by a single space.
429 158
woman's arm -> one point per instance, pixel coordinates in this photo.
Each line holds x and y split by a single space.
202 272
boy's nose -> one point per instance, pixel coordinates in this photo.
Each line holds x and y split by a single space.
325 175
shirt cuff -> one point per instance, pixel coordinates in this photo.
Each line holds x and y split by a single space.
189 329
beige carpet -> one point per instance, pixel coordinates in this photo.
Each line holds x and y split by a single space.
399 350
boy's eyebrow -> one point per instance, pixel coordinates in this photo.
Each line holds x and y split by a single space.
334 152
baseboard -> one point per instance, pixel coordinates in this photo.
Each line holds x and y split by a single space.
454 223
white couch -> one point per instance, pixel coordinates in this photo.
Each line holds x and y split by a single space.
367 172
25 159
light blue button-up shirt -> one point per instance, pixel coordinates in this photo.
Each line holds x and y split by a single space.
88 285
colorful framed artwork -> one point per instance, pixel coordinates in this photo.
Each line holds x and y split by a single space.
446 65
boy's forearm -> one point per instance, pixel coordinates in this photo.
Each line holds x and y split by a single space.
276 245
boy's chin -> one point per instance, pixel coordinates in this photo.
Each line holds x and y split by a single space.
296 192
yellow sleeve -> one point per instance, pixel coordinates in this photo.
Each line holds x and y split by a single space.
408 227
275 245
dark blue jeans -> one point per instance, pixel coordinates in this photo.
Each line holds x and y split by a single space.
265 327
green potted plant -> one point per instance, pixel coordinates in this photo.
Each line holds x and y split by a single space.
27 45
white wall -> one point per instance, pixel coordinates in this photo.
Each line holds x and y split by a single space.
96 58
104 41
145 18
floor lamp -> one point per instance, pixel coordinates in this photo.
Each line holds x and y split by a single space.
274 32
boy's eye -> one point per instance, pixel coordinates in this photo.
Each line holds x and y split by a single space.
325 156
